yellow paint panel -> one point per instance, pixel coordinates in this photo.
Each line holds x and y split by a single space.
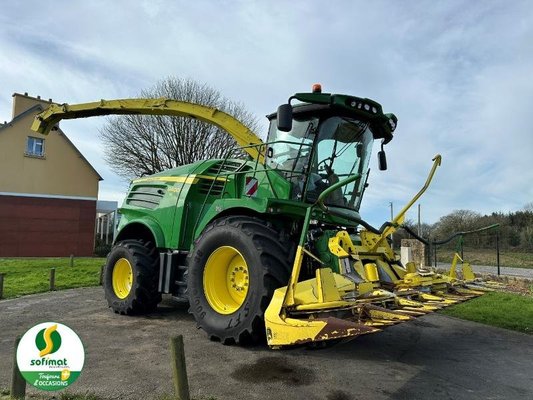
327 291
468 274
285 331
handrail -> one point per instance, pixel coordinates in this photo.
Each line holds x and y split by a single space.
329 210
332 188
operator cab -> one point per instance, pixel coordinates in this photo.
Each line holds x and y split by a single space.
319 152
315 145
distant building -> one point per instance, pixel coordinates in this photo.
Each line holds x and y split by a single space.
48 190
107 220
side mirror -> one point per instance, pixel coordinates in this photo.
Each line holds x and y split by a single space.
382 160
284 119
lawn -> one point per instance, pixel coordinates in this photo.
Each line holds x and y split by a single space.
32 275
504 310
508 258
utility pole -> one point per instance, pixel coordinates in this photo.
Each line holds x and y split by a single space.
391 218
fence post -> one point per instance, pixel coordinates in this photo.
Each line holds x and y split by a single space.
101 280
179 370
18 384
71 260
498 251
52 279
435 251
2 285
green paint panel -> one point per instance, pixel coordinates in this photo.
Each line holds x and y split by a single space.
176 205
49 381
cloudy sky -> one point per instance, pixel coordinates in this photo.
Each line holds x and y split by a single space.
458 74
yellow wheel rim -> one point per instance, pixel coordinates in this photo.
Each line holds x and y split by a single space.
226 280
122 278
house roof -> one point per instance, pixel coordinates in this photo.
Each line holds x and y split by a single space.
35 110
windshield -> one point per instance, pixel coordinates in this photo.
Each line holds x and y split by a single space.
290 151
343 147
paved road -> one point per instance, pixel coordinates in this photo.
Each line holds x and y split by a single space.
520 272
486 269
434 357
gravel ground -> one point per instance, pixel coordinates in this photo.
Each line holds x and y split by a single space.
433 357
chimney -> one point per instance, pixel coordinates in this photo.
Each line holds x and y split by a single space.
23 102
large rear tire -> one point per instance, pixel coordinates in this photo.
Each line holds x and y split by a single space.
131 277
234 268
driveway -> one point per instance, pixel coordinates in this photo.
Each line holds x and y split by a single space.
434 357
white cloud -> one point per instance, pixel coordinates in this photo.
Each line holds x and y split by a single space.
456 73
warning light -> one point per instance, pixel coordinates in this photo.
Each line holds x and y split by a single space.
317 88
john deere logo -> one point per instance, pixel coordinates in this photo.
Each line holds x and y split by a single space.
50 356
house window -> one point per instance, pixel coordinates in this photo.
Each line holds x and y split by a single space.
35 147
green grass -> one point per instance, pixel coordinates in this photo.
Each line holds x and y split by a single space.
32 275
508 258
504 310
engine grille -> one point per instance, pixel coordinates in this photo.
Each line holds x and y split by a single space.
212 187
224 167
146 196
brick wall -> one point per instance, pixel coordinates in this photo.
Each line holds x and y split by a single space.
45 227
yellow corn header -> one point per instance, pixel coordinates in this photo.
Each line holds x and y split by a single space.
373 292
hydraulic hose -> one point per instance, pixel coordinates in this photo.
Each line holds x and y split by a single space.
448 239
412 233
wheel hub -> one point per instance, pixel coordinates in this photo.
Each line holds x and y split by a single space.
226 280
239 278
122 278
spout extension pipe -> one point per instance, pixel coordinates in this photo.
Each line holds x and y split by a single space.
49 118
437 160
399 219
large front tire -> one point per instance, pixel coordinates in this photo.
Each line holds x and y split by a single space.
130 278
234 268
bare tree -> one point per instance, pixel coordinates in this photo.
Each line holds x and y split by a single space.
137 145
457 221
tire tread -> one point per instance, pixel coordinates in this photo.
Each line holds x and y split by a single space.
275 266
